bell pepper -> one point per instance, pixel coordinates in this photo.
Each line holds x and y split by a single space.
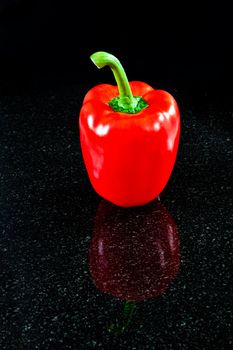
129 137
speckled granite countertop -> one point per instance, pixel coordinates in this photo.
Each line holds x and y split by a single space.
71 264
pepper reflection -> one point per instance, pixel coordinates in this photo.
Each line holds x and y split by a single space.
134 252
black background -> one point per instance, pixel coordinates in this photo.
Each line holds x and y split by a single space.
45 43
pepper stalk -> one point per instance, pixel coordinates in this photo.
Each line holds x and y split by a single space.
125 102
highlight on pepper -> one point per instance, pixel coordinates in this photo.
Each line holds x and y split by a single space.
129 135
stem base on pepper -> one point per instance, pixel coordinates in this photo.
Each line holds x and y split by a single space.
120 105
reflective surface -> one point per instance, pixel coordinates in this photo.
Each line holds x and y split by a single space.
134 253
53 294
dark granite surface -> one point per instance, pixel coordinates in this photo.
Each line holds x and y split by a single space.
71 263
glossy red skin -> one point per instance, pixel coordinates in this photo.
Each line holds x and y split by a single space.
129 157
134 253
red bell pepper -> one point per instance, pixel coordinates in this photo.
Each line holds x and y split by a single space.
129 137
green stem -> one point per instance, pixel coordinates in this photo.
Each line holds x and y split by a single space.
128 310
102 59
125 102
129 307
